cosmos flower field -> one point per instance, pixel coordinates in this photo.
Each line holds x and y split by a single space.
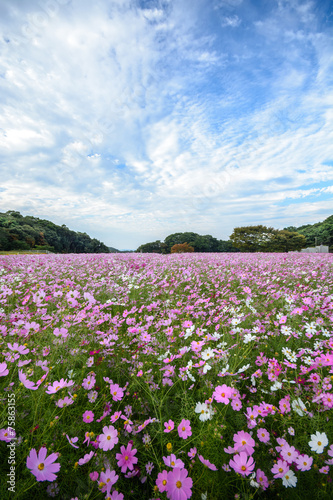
204 376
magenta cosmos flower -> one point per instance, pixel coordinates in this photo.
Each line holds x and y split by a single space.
162 481
3 369
242 463
222 394
184 429
244 442
207 463
178 485
109 438
41 467
126 458
116 392
88 416
172 461
109 478
169 426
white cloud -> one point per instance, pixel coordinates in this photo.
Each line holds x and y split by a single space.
232 21
126 121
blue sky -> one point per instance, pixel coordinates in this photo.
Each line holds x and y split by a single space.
131 120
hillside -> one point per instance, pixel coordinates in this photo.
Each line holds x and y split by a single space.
320 233
30 233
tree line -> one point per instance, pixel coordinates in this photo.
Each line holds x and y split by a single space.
30 233
257 238
199 243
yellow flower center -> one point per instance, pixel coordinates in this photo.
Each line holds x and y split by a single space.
178 484
108 438
164 482
126 458
319 443
243 467
41 466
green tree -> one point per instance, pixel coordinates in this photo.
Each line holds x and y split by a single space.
153 247
286 241
226 246
252 238
179 238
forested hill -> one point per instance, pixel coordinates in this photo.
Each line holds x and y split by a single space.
320 233
30 233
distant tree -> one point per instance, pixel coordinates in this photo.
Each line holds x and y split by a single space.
286 241
226 246
182 248
179 238
153 247
252 238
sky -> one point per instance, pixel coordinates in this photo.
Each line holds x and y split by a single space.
131 120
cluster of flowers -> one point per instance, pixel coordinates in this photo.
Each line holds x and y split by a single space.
207 322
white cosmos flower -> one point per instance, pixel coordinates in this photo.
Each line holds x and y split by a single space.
318 442
207 354
206 368
289 479
299 407
248 338
204 410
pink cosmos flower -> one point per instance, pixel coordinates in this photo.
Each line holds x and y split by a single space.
93 476
41 467
115 416
222 394
178 485
116 392
262 479
117 496
64 402
162 481
109 438
88 416
172 461
3 369
108 477
72 441
60 332
87 457
192 452
207 463
126 458
57 385
242 464
236 404
263 435
280 468
169 426
26 382
184 429
7 434
289 453
21 349
303 462
89 382
244 442
327 399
